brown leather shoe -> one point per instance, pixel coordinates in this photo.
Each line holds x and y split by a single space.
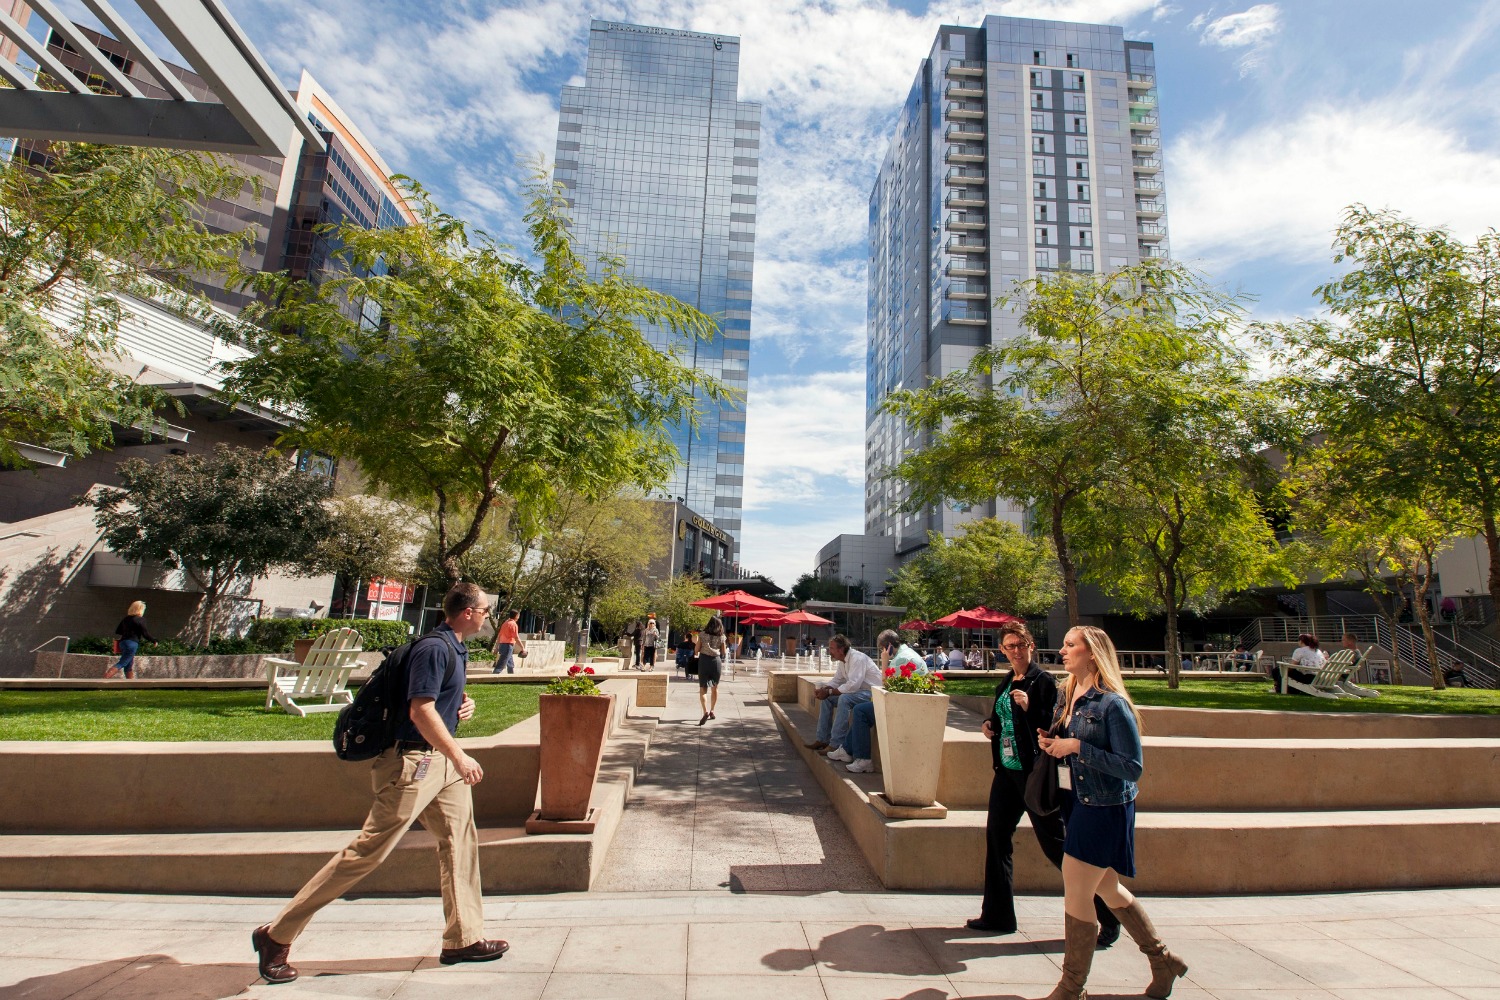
273 955
815 745
479 951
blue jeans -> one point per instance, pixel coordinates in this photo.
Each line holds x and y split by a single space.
505 663
127 656
843 716
827 709
861 721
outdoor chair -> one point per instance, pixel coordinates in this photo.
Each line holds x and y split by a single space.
321 682
1348 686
1326 683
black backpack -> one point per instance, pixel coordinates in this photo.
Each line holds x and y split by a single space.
367 726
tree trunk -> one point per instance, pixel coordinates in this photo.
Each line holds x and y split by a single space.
1492 545
1174 648
1390 624
1424 619
1066 564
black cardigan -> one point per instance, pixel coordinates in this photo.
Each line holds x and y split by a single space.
1041 700
133 627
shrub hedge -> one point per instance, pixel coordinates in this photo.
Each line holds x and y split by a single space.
275 635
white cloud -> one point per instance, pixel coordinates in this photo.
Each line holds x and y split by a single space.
1277 190
802 432
785 549
1251 29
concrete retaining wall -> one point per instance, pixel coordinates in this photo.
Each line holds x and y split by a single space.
91 666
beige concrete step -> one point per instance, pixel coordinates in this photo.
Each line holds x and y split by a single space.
1177 851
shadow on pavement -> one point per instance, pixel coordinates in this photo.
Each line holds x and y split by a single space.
164 976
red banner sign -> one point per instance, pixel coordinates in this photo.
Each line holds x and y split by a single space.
390 592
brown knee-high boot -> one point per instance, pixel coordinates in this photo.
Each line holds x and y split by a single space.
1078 958
1165 966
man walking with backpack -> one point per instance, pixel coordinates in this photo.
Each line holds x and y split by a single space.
425 776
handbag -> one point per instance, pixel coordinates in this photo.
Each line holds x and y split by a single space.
114 647
1041 796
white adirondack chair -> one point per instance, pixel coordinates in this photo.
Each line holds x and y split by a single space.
1328 680
321 682
1348 686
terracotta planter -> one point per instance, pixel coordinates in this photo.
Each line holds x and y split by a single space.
911 744
573 731
300 648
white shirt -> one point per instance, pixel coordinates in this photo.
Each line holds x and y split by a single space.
956 660
1312 659
860 673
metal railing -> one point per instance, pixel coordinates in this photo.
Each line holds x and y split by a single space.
65 639
1406 644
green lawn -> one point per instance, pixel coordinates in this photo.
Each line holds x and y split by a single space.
1245 694
180 715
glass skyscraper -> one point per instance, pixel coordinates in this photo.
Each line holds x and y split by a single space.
1024 147
658 162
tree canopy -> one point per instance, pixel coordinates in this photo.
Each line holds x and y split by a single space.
80 224
991 562
456 373
223 518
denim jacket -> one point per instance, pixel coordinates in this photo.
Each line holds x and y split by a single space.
1108 764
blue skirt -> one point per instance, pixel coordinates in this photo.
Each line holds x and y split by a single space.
1102 836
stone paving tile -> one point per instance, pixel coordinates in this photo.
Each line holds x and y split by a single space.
1436 962
1333 964
759 988
744 948
863 988
573 986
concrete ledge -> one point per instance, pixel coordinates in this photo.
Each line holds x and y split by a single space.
1310 851
278 861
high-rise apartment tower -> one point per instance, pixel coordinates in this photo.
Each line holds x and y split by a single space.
658 161
1024 146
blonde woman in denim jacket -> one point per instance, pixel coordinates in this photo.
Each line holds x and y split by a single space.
1099 750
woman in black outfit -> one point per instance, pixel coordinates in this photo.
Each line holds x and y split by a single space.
130 632
1025 700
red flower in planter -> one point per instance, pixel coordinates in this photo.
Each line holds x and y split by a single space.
906 669
575 670
937 677
588 670
890 671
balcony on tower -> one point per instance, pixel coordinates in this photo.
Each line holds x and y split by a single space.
964 154
964 67
1146 164
965 221
966 267
1143 99
966 245
1141 81
964 175
965 198
961 89
964 109
971 290
969 314
1151 231
1142 142
1149 208
1143 123
964 132
1147 186
1149 252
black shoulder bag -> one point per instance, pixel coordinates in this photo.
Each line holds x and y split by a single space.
1042 796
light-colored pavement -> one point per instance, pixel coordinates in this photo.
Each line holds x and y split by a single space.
750 920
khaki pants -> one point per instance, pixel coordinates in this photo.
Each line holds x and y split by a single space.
445 805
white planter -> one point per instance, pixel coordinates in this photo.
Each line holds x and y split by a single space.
911 744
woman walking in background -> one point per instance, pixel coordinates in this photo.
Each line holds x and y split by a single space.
649 640
1097 743
1025 703
129 633
710 649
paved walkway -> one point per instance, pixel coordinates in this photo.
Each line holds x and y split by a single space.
729 805
731 881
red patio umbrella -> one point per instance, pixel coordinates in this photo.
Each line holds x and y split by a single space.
739 605
917 625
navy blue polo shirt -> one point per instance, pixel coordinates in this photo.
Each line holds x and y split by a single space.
426 666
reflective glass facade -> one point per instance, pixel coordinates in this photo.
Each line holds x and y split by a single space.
1024 147
658 161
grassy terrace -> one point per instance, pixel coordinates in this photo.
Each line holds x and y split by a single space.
1245 695
175 716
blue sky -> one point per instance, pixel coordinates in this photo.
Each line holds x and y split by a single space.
1274 116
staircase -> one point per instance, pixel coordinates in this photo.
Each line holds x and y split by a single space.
1481 666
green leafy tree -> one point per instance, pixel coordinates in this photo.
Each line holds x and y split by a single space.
1033 419
223 518
812 587
622 602
673 600
366 537
1405 365
80 224
991 562
1391 542
486 376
